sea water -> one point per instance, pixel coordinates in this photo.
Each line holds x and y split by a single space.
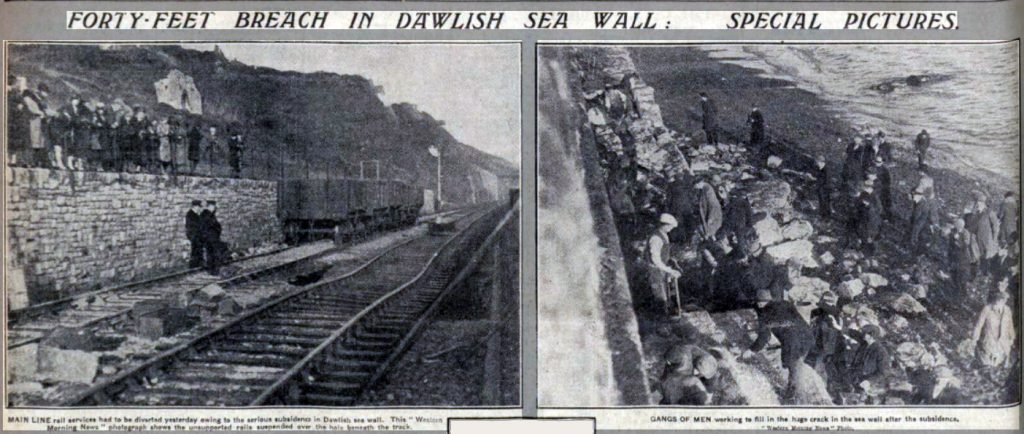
969 102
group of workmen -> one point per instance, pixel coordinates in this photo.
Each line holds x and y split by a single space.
114 137
203 231
824 356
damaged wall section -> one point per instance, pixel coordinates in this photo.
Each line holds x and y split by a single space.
74 231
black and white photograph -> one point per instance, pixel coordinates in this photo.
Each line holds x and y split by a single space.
764 225
234 224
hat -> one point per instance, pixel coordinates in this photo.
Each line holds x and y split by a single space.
668 219
764 295
872 330
197 202
707 365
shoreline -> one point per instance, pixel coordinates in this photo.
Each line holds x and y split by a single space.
797 118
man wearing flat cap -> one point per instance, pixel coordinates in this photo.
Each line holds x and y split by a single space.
660 275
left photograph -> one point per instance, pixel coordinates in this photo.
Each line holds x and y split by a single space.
262 224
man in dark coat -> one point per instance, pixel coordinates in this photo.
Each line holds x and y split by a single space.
871 365
756 121
921 145
744 271
195 140
17 121
235 153
781 319
1008 220
682 204
194 233
710 118
738 214
212 245
923 218
885 184
853 175
823 186
829 354
869 217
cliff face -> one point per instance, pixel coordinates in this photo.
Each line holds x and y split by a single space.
320 123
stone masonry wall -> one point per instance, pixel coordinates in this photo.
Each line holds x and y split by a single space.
75 231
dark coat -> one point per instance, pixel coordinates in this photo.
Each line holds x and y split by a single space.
193 225
195 140
924 215
682 202
827 340
710 114
209 226
738 215
1008 223
870 362
780 318
869 216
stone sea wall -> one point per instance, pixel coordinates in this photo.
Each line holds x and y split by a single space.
70 232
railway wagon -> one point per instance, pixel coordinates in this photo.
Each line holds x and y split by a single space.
345 209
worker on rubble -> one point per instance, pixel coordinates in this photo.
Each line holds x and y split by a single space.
983 222
885 185
871 364
853 175
710 210
921 145
823 186
687 367
781 319
194 233
924 217
963 250
756 121
869 217
710 118
681 199
660 276
829 353
993 335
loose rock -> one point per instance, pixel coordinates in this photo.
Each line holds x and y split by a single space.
797 230
906 304
850 288
802 250
67 365
768 231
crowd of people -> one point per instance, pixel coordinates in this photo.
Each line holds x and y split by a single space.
203 230
113 136
659 214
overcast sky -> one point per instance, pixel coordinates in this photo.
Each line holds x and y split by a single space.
473 88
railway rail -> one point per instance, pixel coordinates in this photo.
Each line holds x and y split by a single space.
320 345
113 305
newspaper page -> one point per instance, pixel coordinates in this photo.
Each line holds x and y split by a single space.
511 216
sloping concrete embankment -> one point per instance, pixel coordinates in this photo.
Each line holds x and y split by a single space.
589 345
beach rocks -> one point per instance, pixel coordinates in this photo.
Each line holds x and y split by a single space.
907 305
774 162
918 291
850 288
860 315
67 365
874 280
897 322
770 197
797 230
807 290
768 231
826 258
801 250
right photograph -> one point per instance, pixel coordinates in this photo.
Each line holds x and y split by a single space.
778 224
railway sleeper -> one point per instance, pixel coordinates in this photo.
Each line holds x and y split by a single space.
290 331
260 348
345 376
231 358
367 335
302 315
312 305
350 365
333 388
331 400
274 339
359 354
305 322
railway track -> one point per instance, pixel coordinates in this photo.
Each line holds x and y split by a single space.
321 345
114 305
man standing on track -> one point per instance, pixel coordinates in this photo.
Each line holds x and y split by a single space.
193 231
213 248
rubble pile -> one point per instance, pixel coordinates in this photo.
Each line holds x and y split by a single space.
890 289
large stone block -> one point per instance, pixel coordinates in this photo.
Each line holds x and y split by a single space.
22 362
768 231
801 250
72 366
